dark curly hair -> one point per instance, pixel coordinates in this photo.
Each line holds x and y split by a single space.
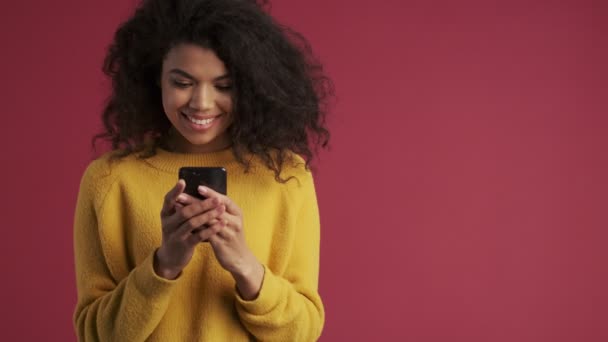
281 92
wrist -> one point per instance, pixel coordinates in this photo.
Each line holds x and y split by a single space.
249 279
161 269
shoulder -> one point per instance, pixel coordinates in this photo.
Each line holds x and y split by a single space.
96 171
294 171
108 165
299 189
103 172
299 183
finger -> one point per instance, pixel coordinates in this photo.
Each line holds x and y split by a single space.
174 220
171 196
224 232
183 213
198 207
205 226
216 239
231 207
186 199
197 222
233 223
196 238
208 233
202 235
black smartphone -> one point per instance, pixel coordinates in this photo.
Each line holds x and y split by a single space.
212 177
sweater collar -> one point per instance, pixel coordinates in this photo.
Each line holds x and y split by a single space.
172 161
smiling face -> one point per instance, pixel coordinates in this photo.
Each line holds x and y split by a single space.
197 99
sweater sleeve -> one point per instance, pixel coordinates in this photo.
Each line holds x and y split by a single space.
288 307
108 308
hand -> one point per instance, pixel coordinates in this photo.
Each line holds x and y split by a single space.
183 227
230 247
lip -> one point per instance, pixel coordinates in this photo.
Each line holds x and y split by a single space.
200 128
201 117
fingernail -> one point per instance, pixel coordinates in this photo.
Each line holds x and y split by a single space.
202 189
182 198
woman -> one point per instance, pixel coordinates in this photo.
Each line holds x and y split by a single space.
203 83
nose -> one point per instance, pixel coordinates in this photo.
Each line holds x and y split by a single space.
202 98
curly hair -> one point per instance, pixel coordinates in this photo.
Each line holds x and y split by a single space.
281 92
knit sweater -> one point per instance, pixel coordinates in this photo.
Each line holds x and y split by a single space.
117 229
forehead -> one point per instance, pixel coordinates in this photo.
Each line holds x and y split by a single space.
195 60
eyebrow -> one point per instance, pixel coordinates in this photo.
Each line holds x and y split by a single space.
187 75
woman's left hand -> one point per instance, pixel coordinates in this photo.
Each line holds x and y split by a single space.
231 250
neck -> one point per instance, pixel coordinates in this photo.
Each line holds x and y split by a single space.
175 142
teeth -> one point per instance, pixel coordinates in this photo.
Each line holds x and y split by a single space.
201 122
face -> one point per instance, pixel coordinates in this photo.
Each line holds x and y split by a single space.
196 94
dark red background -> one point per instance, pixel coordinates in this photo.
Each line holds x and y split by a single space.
464 198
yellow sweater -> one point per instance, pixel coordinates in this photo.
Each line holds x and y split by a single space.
117 230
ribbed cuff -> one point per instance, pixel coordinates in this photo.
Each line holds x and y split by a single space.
148 282
270 294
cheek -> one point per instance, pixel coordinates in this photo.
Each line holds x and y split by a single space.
225 104
173 100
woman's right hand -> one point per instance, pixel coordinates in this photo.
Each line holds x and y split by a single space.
183 228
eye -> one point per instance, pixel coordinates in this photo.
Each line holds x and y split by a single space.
224 88
181 84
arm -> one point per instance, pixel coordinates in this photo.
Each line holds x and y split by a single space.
288 307
111 309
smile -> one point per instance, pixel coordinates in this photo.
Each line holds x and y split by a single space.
201 121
